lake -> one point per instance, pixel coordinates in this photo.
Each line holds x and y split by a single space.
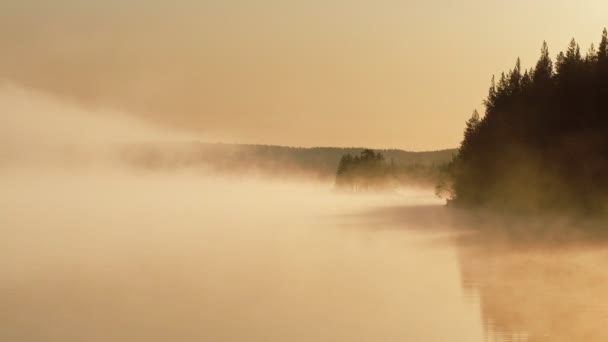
123 256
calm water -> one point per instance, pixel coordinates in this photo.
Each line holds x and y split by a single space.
117 257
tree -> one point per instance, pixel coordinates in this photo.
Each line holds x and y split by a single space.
543 72
362 172
602 51
591 57
490 101
371 171
472 125
344 164
526 80
568 63
515 78
368 154
543 138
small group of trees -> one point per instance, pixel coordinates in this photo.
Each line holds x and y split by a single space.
543 141
370 171
364 172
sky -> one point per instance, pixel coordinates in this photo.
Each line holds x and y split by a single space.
379 74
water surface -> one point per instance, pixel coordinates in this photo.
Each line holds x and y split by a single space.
109 256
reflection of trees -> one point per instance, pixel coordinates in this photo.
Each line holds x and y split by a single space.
547 292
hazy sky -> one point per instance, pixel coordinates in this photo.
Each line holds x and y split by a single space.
382 73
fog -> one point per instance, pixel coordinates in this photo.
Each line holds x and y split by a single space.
40 128
94 249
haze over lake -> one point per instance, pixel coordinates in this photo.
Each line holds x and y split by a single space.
96 248
110 256
116 255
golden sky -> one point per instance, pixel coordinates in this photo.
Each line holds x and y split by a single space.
384 73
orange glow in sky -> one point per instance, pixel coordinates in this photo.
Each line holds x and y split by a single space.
402 74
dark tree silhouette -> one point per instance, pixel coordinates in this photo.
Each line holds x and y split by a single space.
543 141
370 171
364 172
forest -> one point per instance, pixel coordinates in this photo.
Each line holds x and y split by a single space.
543 141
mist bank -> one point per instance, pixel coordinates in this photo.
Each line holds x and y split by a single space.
104 254
42 130
318 163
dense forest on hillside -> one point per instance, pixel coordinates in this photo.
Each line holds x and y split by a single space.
265 160
372 171
543 141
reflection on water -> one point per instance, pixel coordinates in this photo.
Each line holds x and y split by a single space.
534 279
111 257
538 290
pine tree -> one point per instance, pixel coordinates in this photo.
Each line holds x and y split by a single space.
526 80
344 164
515 78
602 62
569 62
544 67
554 123
490 101
602 52
591 56
469 132
472 124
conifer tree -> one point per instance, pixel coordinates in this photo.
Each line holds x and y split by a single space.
543 136
602 51
544 67
515 77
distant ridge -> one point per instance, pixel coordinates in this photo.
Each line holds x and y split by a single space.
264 159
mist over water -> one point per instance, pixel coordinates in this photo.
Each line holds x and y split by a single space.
117 257
93 249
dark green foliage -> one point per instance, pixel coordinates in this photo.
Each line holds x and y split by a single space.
543 142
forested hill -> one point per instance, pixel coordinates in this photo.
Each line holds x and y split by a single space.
320 162
543 141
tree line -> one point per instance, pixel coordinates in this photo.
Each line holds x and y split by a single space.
542 142
371 171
